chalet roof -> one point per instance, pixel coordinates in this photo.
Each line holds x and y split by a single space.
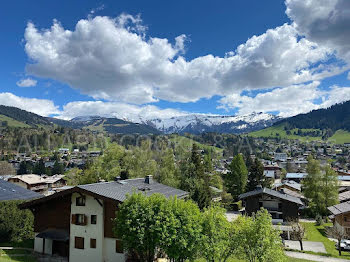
344 196
274 193
291 184
9 191
116 190
296 175
292 193
340 208
32 179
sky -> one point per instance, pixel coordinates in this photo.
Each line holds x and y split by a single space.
159 59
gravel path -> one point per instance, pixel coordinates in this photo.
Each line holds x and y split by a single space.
314 257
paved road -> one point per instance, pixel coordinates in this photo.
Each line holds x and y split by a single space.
314 257
307 245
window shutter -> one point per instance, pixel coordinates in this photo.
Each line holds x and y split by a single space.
119 246
74 219
85 220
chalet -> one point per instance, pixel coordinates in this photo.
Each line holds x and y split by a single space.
40 184
344 196
291 185
281 157
341 215
297 177
281 206
77 223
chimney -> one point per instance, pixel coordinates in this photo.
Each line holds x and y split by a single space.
117 178
148 180
258 187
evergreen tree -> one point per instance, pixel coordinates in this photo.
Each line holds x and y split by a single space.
39 167
195 180
256 176
57 169
24 168
237 178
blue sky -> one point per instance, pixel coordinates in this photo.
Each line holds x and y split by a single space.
162 59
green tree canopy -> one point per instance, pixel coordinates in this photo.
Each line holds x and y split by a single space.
257 240
15 225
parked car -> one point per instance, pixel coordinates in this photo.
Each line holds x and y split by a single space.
344 244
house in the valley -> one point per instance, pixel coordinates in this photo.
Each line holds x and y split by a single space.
297 177
281 206
291 185
341 215
41 184
77 223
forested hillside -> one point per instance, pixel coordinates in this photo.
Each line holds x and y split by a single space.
330 124
335 117
15 117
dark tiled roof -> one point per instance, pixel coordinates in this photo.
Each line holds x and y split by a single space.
340 208
9 191
118 190
273 193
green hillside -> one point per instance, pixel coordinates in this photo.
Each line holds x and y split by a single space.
8 121
187 143
339 137
118 126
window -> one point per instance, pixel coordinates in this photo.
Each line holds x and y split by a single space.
79 219
118 246
92 243
79 243
345 219
80 201
93 219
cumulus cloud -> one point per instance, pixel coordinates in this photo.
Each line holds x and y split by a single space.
27 82
114 59
42 107
115 109
326 22
288 101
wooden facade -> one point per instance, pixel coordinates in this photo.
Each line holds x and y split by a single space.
52 214
283 209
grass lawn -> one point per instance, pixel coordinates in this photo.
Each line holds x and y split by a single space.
186 144
28 258
339 137
278 131
317 233
289 259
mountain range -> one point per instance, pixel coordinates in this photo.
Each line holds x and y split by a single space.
199 123
317 123
192 123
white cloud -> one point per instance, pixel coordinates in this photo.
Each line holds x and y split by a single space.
42 107
326 22
116 109
113 59
27 82
288 101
